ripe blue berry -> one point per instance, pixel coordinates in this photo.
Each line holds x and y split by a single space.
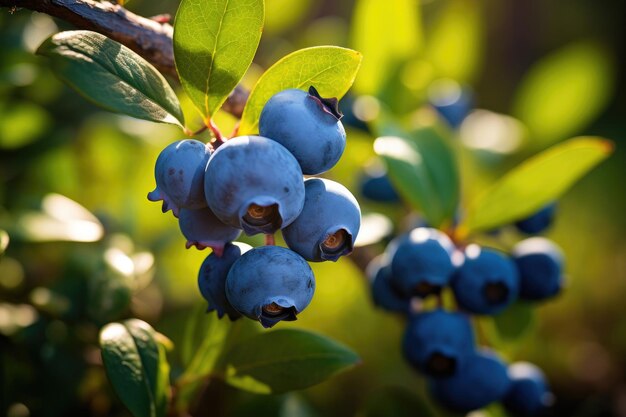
203 230
329 222
438 343
307 125
487 282
384 295
255 184
539 221
453 107
270 284
212 278
349 117
376 186
480 382
179 175
529 394
421 262
540 265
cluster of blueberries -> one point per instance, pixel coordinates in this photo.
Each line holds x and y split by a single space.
440 343
255 184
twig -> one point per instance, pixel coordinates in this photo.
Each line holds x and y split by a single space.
147 37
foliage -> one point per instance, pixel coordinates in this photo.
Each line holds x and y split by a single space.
70 272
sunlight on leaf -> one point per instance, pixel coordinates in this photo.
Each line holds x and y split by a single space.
4 241
453 45
422 168
564 92
386 33
214 44
493 132
374 228
111 76
61 219
330 69
536 182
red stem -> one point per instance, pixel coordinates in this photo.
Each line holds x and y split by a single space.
219 139
269 239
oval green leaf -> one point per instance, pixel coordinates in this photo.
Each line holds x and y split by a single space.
284 360
536 182
214 44
422 167
204 338
564 92
112 76
330 69
136 366
387 33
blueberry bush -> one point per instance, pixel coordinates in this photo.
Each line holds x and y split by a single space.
344 228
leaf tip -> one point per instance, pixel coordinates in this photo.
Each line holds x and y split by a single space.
608 146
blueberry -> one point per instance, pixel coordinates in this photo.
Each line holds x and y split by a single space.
179 175
480 382
376 186
383 294
270 284
421 262
487 282
539 221
255 184
307 125
438 343
349 117
540 265
212 278
451 101
529 394
329 222
203 230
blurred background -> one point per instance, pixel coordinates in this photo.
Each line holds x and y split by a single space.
87 247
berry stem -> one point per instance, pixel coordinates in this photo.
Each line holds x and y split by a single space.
235 130
269 239
219 139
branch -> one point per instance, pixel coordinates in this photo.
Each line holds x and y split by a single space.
149 38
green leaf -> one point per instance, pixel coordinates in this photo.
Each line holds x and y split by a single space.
330 69
387 33
205 335
515 321
205 339
536 182
112 76
422 167
454 44
136 366
284 360
564 92
214 44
